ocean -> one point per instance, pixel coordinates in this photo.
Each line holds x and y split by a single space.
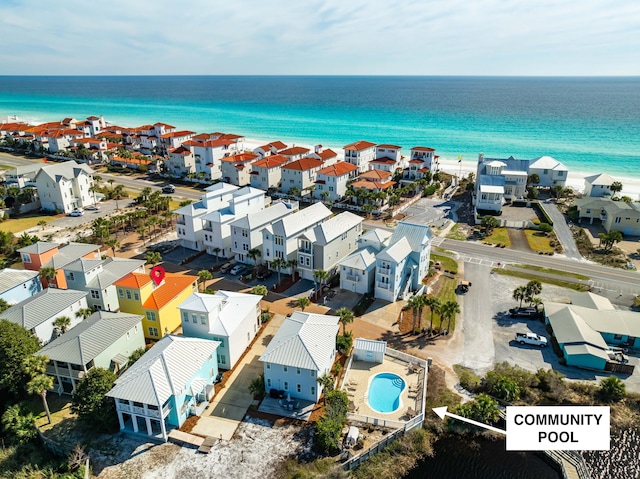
590 124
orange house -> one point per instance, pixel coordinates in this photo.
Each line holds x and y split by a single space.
43 254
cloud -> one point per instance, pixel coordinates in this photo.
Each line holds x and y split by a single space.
484 37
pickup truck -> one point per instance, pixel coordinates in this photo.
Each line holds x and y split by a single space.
531 338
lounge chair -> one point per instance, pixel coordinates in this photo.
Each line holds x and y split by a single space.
411 413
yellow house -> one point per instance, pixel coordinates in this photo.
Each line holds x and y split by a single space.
158 305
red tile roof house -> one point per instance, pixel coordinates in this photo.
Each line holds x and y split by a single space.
300 174
236 169
331 182
295 152
421 160
373 181
208 154
180 162
388 158
360 154
272 148
267 172
174 139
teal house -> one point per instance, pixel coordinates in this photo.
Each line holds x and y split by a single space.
170 382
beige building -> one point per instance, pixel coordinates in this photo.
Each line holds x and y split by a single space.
613 215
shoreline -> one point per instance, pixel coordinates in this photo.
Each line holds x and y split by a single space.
575 179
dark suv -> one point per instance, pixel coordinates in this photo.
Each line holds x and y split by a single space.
524 313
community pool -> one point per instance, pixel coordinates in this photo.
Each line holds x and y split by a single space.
384 392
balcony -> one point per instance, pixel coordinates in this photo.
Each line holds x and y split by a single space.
180 221
351 277
382 285
208 227
140 411
66 372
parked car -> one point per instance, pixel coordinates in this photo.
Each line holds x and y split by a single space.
76 213
524 313
264 273
464 285
226 267
92 208
238 269
168 189
531 338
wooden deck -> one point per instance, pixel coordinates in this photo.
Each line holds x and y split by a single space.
183 438
272 406
208 443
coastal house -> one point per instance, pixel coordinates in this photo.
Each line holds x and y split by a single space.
589 328
44 254
421 161
323 246
498 180
91 126
16 285
156 303
103 340
327 156
303 349
236 169
331 182
401 266
65 186
189 221
598 185
295 153
38 313
180 162
62 139
272 148
388 158
360 154
24 175
246 232
217 224
174 139
300 174
267 172
208 155
280 239
232 319
171 381
98 277
374 182
613 215
550 171
357 271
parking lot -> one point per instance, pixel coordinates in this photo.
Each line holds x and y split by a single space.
428 211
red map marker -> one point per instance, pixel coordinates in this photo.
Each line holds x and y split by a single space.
157 274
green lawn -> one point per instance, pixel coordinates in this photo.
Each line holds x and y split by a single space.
15 225
529 276
448 264
446 292
456 233
557 272
499 236
538 241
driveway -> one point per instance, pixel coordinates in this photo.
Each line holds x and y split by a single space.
428 211
562 230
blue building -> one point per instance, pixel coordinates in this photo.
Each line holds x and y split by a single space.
171 381
16 285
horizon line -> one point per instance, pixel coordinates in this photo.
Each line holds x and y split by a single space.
299 75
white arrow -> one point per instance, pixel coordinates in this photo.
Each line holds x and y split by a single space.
442 412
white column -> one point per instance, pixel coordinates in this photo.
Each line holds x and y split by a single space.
120 420
164 428
149 430
134 419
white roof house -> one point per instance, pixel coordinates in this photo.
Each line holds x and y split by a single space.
296 223
550 171
598 185
361 259
163 371
396 252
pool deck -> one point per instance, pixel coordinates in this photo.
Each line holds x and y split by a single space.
359 376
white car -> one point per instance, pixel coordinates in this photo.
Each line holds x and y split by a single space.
76 213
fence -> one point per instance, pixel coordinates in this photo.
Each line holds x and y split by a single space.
60 450
573 458
406 357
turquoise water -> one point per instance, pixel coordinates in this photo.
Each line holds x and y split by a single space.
590 124
384 392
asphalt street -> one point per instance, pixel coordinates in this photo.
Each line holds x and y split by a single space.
562 230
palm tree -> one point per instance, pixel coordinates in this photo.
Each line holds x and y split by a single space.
260 290
302 302
434 304
519 294
62 324
293 264
142 231
449 311
327 382
153 258
84 313
368 209
217 250
47 274
533 288
204 275
324 195
254 254
278 264
416 303
319 276
113 243
616 187
40 383
346 317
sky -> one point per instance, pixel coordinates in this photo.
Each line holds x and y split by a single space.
330 37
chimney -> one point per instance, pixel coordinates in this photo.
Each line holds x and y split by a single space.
317 148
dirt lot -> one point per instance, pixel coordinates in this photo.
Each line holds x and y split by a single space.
629 246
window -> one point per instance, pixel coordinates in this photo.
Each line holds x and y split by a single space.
285 368
194 318
299 388
617 219
313 373
298 372
95 294
286 385
128 294
617 337
151 315
136 296
203 319
222 359
26 258
268 365
70 276
313 390
268 382
185 316
153 331
307 261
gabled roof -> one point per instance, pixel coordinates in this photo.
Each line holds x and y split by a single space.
609 205
326 154
601 179
303 164
175 134
372 185
40 307
361 259
172 285
389 147
239 158
67 170
417 235
328 230
39 247
547 163
377 234
181 150
10 278
304 340
164 370
255 220
295 223
359 145
114 269
294 150
134 280
83 265
383 161
225 309
568 327
271 161
338 169
396 252
71 252
90 338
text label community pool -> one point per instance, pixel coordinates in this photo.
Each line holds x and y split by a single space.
558 428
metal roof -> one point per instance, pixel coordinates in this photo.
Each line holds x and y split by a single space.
10 278
261 218
329 230
71 252
397 251
547 163
67 170
417 235
164 370
581 349
296 223
39 247
601 179
370 345
305 340
114 269
361 259
42 306
90 338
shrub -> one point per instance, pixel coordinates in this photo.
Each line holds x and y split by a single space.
344 342
545 227
257 387
612 389
507 389
90 402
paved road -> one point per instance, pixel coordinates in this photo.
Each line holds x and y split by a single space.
562 230
479 352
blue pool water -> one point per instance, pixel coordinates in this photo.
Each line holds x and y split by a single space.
384 392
